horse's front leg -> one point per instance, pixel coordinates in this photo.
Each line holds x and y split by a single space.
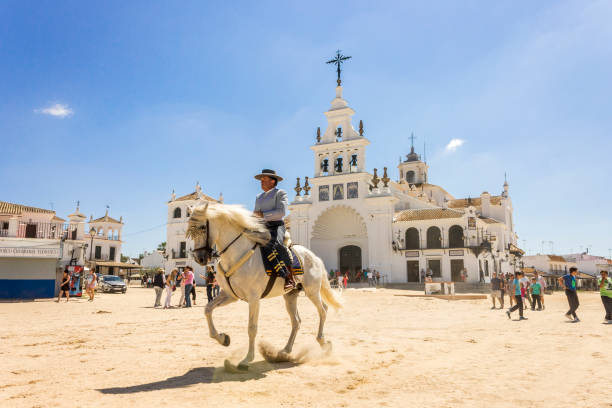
253 318
221 300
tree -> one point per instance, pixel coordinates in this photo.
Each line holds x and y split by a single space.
162 247
124 258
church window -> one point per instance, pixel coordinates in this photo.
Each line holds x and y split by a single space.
412 238
352 190
323 193
410 177
177 212
434 237
338 191
455 237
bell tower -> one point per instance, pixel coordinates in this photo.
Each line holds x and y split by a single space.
413 170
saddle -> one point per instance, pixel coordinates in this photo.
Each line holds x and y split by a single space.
273 264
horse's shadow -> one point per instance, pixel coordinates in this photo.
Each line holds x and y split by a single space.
202 375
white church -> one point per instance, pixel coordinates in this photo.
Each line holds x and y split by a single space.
406 230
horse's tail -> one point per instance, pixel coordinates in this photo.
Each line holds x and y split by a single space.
330 296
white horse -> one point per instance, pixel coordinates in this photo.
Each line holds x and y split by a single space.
241 273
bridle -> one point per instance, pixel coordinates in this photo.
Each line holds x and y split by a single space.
211 252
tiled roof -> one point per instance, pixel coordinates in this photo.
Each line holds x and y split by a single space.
466 202
194 196
489 220
556 258
427 214
56 218
17 209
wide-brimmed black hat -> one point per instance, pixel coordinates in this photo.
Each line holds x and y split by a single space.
269 173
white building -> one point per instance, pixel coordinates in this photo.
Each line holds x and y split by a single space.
590 264
356 220
35 246
552 264
178 247
153 260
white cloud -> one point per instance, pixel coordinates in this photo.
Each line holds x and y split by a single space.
454 144
58 110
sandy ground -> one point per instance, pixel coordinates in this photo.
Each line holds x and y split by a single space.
388 351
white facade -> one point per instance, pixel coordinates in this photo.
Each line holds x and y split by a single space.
152 260
356 220
552 264
106 243
178 247
590 264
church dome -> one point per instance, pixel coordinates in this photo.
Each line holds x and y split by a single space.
412 156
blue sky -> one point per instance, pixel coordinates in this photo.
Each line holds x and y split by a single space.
117 103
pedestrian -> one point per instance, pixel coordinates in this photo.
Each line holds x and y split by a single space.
366 277
540 279
568 281
496 291
158 285
525 283
64 286
377 277
180 285
516 288
536 289
210 279
216 288
509 289
345 280
605 290
91 285
193 292
188 284
170 286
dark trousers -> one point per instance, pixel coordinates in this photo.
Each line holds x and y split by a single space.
519 305
536 299
193 293
187 298
572 299
209 288
607 302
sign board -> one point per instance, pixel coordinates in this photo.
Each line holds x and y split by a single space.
412 254
455 252
17 252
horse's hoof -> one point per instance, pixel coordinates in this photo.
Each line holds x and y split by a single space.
226 340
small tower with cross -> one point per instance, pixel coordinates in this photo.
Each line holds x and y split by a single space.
413 170
340 144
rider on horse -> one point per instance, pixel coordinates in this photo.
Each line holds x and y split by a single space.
271 205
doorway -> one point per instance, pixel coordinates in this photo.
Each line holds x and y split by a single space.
434 267
412 271
350 260
456 268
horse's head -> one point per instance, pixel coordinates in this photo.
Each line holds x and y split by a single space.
199 230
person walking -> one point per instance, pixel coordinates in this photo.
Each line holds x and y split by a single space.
345 279
188 278
509 289
496 284
568 281
180 285
516 287
92 282
169 284
64 286
536 290
540 279
605 290
158 285
210 279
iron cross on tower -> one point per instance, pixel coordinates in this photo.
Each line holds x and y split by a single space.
338 60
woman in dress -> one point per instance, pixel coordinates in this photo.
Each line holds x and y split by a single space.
64 287
91 285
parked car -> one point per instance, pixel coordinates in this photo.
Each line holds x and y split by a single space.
112 283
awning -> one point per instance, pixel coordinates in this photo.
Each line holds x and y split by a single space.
122 265
514 250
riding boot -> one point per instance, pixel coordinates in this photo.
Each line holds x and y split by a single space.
289 282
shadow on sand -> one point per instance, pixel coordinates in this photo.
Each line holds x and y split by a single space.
202 375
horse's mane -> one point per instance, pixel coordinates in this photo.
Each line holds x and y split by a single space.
233 214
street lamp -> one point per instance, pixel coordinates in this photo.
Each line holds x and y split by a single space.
92 234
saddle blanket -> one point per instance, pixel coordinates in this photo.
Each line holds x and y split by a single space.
274 264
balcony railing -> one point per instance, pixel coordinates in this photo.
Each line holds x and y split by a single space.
43 230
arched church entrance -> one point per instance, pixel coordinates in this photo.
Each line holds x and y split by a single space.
339 237
350 260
